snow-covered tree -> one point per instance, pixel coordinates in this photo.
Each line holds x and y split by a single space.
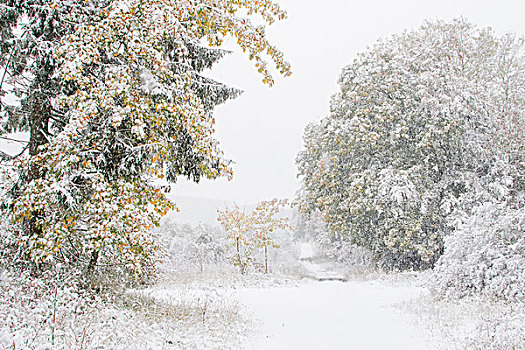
420 119
113 98
253 230
191 248
485 255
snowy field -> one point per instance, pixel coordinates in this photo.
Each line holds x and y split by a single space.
334 315
258 311
363 314
373 311
323 312
377 312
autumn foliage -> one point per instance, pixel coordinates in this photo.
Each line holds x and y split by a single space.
251 231
129 108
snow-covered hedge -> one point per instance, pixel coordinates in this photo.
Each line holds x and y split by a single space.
485 255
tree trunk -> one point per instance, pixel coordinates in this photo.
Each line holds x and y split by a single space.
265 258
39 105
39 120
239 260
92 263
38 128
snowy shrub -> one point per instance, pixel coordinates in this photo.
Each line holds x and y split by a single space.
485 255
54 312
191 250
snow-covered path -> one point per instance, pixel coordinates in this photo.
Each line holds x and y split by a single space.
335 315
315 270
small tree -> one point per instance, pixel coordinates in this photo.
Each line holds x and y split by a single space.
237 224
265 223
253 230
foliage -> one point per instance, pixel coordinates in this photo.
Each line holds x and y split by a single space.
249 231
420 119
237 224
191 248
485 256
114 100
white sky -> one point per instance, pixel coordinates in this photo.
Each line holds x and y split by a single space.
262 130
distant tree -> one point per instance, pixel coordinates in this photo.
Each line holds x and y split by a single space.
265 222
249 231
237 225
420 119
190 247
113 99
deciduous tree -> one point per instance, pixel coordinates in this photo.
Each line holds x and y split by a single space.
419 121
250 231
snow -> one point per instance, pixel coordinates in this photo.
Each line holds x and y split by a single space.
335 315
261 311
317 271
307 251
423 145
326 313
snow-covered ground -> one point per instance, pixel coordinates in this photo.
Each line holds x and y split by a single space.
375 311
223 309
318 314
335 315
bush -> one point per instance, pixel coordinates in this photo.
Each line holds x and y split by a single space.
485 255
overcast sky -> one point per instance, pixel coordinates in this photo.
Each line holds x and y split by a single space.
262 130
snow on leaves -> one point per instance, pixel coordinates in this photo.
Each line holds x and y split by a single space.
253 230
133 108
420 118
